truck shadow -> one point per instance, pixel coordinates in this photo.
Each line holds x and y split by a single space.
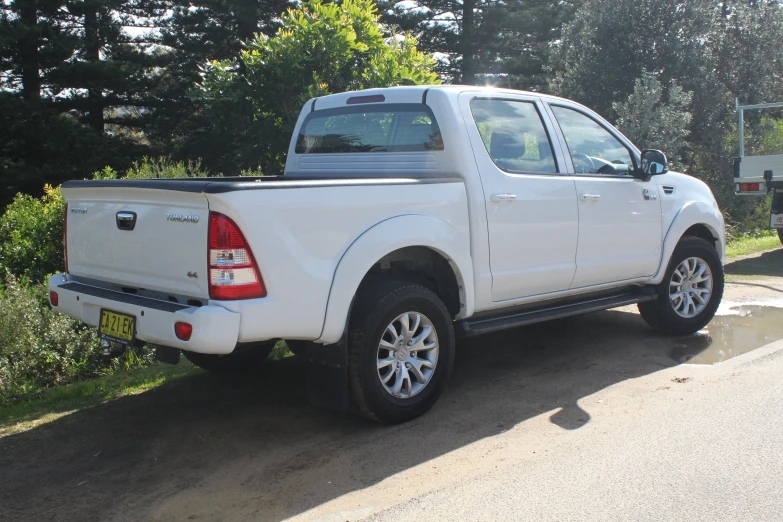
250 447
767 264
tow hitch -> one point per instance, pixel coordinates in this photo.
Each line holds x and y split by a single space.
110 350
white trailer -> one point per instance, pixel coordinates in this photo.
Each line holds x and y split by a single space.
758 175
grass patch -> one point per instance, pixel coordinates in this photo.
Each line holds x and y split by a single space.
749 245
57 402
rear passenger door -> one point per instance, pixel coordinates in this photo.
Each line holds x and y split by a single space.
531 204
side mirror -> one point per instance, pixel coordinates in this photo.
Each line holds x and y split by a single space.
654 162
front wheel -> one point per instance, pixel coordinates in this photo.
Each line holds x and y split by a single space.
400 352
690 292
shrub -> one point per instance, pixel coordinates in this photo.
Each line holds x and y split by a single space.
31 236
40 348
162 167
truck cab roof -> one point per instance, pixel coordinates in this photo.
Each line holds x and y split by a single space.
415 94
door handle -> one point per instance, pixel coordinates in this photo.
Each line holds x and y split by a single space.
500 198
126 220
590 197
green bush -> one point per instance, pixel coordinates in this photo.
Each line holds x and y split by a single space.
161 167
40 347
31 236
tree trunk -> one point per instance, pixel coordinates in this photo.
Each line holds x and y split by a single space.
468 42
93 55
28 51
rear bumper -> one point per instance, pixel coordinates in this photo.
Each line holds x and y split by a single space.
215 329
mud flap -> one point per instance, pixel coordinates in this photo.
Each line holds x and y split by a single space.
776 214
167 355
327 375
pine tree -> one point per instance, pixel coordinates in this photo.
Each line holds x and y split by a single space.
197 33
483 41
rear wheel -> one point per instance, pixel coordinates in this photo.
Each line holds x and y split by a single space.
401 351
690 292
245 359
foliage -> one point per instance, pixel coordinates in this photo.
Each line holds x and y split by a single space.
718 52
31 236
504 43
162 167
104 82
751 243
320 48
40 348
598 65
652 122
771 138
251 172
40 146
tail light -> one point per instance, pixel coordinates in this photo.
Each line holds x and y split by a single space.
54 298
65 237
233 272
183 331
750 187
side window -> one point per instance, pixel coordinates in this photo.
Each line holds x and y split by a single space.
593 149
514 135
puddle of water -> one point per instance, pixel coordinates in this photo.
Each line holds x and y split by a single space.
737 330
739 308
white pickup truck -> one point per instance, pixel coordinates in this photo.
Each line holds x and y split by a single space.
407 217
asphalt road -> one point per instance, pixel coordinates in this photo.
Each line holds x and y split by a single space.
587 418
657 448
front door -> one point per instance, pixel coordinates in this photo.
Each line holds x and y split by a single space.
620 235
531 205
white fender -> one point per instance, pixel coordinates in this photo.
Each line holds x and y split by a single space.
693 213
382 239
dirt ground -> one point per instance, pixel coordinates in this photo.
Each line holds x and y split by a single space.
250 447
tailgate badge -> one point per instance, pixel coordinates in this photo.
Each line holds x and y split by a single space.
182 218
193 275
126 220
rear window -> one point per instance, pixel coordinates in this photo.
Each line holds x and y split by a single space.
390 127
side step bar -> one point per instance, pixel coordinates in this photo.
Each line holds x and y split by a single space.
555 310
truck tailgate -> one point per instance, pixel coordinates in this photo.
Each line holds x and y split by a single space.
159 246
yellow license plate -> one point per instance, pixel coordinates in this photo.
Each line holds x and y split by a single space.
117 327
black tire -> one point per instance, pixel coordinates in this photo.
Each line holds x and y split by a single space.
780 235
660 314
245 359
375 308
